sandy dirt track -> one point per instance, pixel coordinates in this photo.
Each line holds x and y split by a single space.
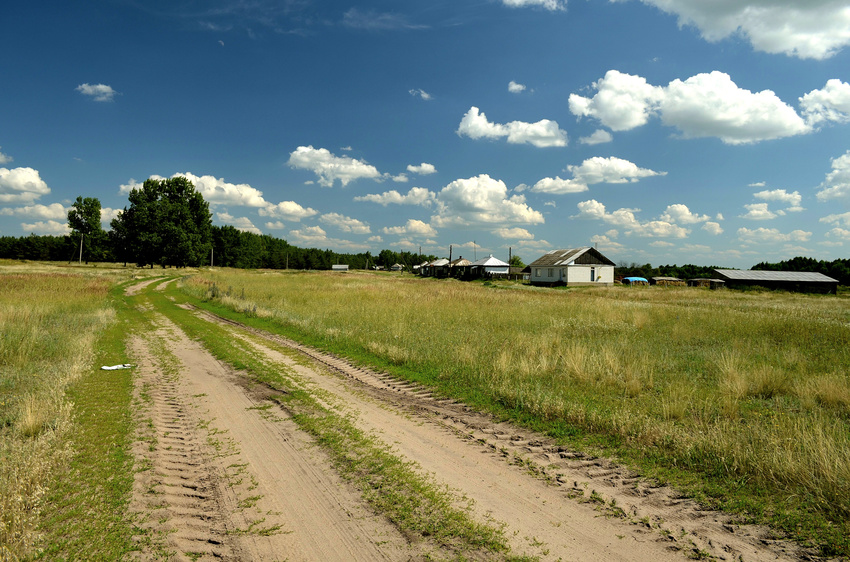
230 477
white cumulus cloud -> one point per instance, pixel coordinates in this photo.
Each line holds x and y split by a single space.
287 210
831 104
513 233
422 169
681 214
599 136
5 158
592 171
481 200
626 219
413 227
52 211
21 185
543 133
346 224
47 227
704 105
416 196
98 92
815 29
515 87
329 167
771 235
836 185
792 199
758 212
547 4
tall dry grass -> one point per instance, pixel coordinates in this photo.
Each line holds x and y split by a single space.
48 325
752 386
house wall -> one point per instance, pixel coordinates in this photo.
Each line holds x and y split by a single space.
573 275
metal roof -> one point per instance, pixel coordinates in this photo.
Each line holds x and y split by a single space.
439 262
490 262
759 275
566 257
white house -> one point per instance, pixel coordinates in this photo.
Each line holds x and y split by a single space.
575 266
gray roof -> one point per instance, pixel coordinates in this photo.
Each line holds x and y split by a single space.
758 275
439 262
568 256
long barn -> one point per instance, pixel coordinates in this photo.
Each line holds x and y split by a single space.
798 281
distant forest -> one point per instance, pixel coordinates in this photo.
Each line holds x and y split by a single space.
231 248
247 250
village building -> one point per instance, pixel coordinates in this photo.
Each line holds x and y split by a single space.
489 267
575 266
798 281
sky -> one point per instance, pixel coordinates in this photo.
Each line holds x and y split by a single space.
658 131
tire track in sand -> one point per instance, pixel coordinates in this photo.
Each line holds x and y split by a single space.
556 503
223 479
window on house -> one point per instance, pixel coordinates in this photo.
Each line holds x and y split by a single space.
550 273
593 274
537 272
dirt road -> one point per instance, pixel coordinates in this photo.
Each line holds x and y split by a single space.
226 473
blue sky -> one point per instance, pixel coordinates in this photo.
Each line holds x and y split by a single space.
661 131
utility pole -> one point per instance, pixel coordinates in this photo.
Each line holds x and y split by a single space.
81 248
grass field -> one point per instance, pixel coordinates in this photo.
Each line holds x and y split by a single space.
742 398
62 427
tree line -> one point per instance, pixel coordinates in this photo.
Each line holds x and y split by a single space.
168 223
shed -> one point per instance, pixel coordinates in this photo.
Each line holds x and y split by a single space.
798 281
666 281
705 282
634 281
574 266
396 267
339 267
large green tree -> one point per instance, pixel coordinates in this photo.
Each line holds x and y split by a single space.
167 223
84 220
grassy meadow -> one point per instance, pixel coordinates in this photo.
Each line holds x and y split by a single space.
741 398
53 322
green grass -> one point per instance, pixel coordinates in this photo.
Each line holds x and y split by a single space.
87 514
741 399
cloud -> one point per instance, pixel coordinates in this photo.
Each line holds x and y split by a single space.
841 233
610 170
420 93
835 186
679 213
592 171
515 88
713 228
422 169
21 185
513 234
47 227
416 196
52 211
758 212
216 191
5 158
552 5
241 223
712 105
793 199
375 21
599 136
771 235
622 101
346 224
330 168
98 92
480 201
625 218
401 178
559 186
412 227
830 104
316 237
815 29
542 134
287 210
704 105
843 218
